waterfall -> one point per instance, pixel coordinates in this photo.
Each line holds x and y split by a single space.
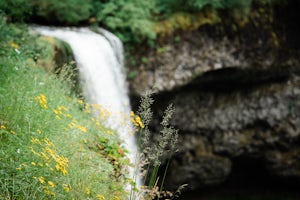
99 58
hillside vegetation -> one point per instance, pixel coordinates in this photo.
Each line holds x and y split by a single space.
54 145
134 21
50 145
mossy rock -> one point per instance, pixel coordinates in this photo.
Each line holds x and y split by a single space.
56 54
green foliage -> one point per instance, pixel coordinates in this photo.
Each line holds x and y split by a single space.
69 12
170 6
17 10
133 21
130 20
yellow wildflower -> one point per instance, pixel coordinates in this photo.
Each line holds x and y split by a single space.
34 152
82 128
38 131
139 122
33 163
42 180
100 197
48 142
51 184
46 190
62 108
44 155
40 164
136 120
66 188
42 100
62 168
57 117
12 132
55 111
35 140
13 45
87 191
68 115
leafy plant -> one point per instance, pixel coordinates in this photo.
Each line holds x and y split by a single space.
17 10
171 6
130 20
70 12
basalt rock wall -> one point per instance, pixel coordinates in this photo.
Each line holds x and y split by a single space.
236 96
217 126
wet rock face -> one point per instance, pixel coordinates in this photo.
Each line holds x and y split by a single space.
198 171
227 115
217 126
176 64
196 165
232 102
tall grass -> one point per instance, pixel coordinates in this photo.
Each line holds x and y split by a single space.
154 151
51 146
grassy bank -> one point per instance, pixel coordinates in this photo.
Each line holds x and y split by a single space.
50 145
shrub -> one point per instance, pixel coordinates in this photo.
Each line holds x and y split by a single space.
17 10
130 20
68 12
170 6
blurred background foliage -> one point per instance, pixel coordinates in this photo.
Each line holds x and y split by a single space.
133 21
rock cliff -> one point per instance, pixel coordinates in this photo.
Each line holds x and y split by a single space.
236 95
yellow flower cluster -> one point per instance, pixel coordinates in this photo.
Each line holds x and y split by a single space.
66 188
49 155
50 160
22 166
13 45
88 191
82 128
73 124
48 186
136 120
3 127
59 112
100 197
38 131
42 180
42 100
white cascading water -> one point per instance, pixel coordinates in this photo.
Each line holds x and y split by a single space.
99 58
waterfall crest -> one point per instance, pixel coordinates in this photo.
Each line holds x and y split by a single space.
99 58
